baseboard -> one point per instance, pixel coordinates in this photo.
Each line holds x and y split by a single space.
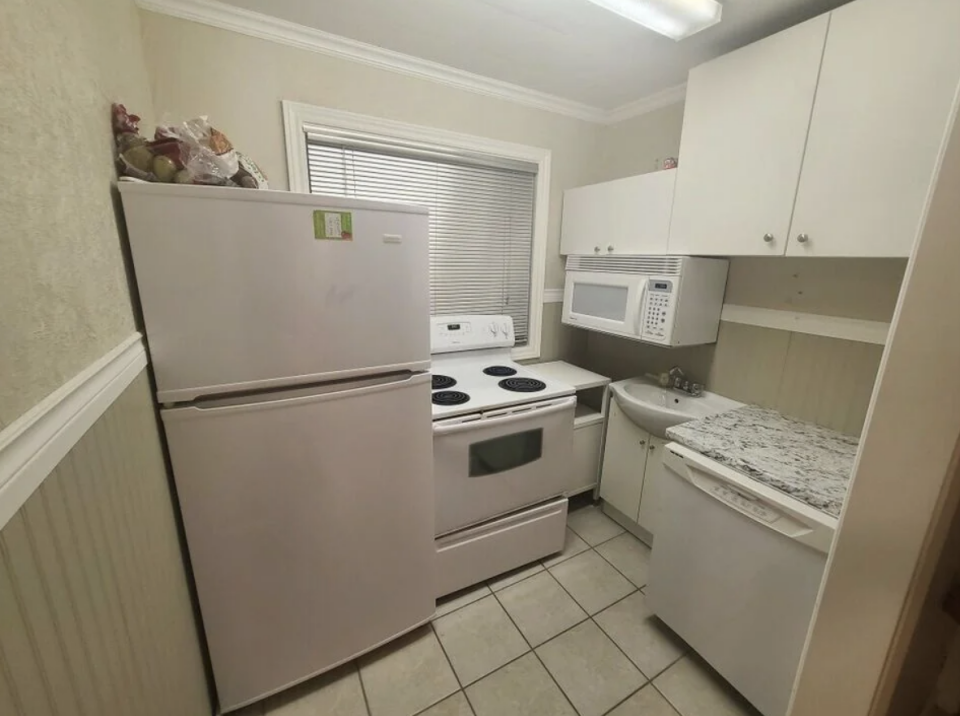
629 525
33 445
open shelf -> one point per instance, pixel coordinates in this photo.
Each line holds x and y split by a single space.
585 415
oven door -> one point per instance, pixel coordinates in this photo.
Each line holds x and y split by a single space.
491 463
606 302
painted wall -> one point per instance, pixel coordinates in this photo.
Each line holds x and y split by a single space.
95 615
243 80
62 283
822 380
638 145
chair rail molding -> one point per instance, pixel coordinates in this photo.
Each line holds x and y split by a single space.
34 444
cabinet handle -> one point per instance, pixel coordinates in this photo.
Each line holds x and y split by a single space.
768 238
596 249
610 249
802 239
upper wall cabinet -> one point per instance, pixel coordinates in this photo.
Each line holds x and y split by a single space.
744 127
626 216
776 159
887 86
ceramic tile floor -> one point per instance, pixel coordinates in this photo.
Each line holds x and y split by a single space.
569 636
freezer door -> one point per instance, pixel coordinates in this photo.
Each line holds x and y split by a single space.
238 293
309 521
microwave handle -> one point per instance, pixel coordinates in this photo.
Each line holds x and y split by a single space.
505 418
638 324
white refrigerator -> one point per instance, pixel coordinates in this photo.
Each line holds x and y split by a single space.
289 336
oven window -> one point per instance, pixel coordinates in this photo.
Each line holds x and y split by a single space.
507 453
600 301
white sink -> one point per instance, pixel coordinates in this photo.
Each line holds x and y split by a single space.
655 409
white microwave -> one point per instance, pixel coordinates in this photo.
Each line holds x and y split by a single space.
665 300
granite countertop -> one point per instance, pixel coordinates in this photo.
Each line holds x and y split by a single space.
810 463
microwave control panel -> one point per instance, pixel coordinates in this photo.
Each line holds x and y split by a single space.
656 316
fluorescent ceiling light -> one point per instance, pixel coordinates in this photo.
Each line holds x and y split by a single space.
676 19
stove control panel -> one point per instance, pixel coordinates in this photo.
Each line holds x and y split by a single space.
449 334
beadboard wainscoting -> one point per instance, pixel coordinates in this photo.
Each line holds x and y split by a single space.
96 615
827 381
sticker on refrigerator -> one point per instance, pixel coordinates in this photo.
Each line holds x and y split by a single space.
333 225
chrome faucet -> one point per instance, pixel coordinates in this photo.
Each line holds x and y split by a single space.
677 380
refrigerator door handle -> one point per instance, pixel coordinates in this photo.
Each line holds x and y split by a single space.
286 398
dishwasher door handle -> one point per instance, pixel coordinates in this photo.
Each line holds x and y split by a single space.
756 508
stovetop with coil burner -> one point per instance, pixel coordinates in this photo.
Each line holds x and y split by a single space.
473 371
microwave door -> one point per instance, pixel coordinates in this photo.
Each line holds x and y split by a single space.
601 302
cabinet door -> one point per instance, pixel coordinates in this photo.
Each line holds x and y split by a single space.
887 86
654 475
626 216
624 459
744 128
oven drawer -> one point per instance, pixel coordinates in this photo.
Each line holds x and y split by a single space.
478 553
497 462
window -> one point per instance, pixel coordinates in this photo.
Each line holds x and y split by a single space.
486 232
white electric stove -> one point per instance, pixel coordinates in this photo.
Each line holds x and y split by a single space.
502 444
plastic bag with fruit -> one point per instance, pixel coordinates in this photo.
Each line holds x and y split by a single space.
193 152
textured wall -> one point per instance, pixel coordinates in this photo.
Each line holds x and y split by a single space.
63 289
95 616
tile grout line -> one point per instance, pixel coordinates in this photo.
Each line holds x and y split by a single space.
446 656
363 690
640 586
533 650
626 698
437 703
602 631
666 698
590 617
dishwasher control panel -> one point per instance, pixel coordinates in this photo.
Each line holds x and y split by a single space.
749 505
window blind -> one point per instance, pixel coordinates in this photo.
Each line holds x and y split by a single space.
481 216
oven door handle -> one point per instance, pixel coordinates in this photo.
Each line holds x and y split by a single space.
504 417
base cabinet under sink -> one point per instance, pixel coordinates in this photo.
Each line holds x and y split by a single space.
632 473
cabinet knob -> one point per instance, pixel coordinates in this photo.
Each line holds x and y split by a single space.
653 447
768 238
802 239
643 442
610 248
596 249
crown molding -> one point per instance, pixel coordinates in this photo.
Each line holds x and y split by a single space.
265 27
255 24
659 100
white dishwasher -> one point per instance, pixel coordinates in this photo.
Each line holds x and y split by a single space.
735 572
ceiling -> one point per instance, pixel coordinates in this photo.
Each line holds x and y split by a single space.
571 49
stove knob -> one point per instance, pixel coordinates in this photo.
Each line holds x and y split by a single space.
506 329
493 329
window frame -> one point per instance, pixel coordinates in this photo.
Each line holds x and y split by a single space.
299 119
